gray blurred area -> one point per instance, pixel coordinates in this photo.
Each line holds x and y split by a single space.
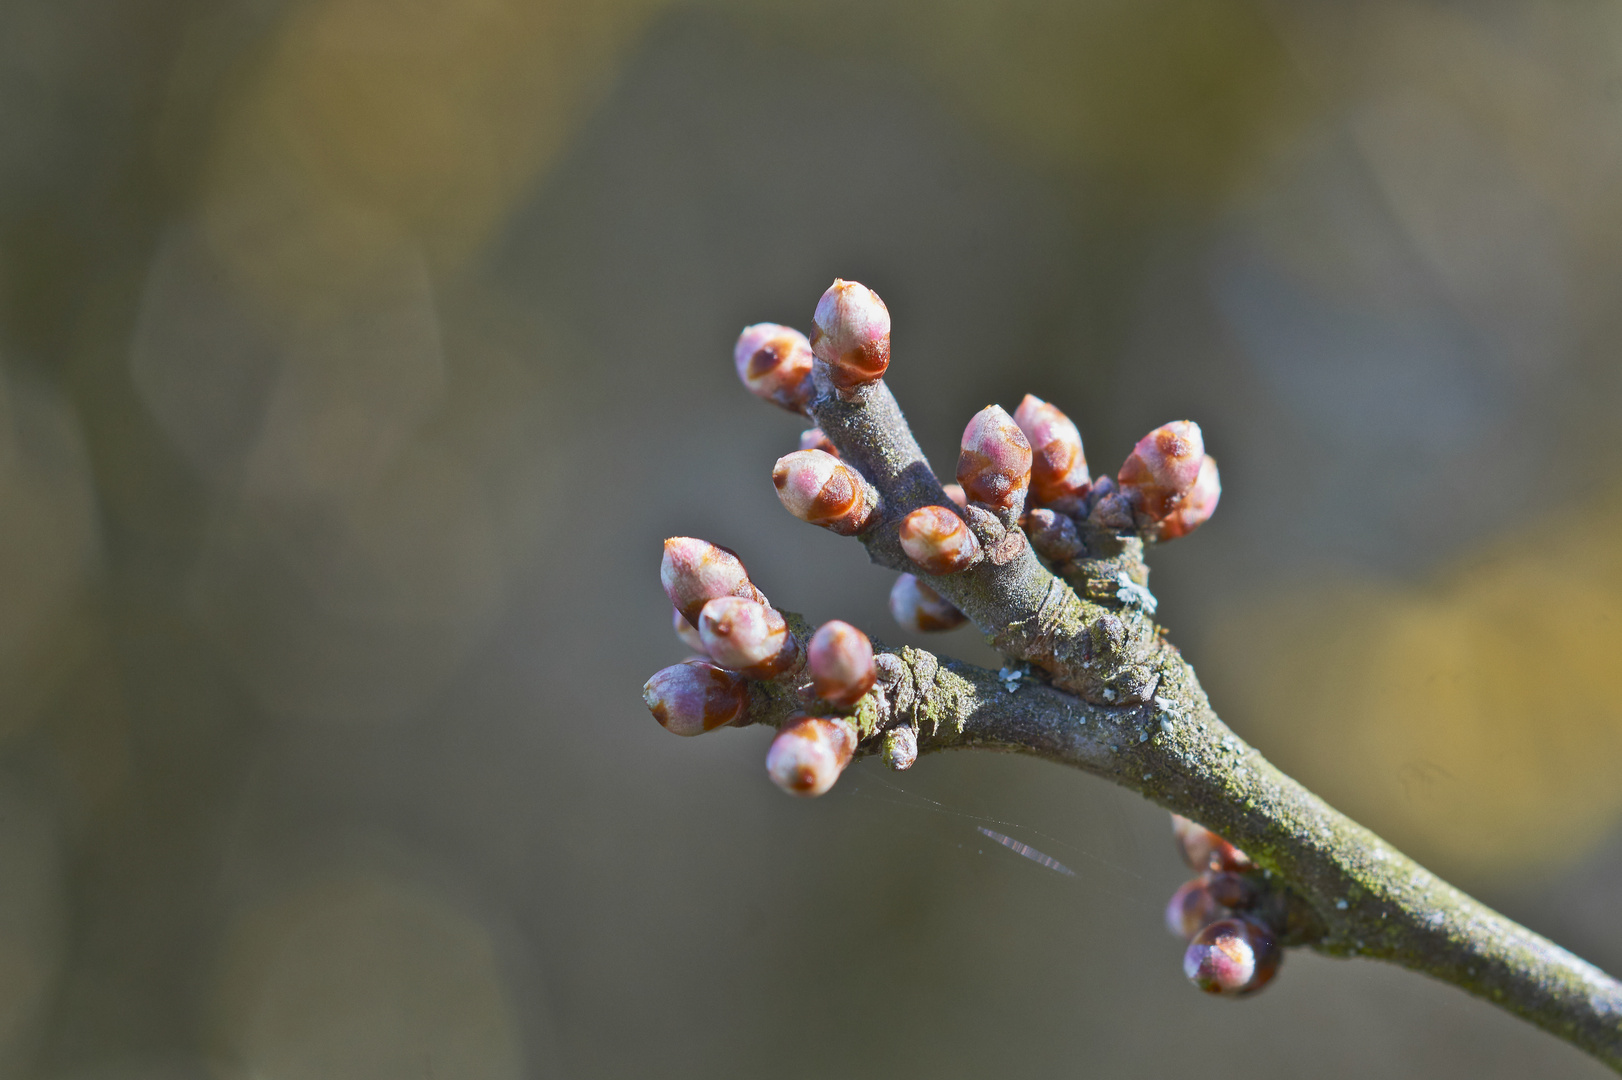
356 356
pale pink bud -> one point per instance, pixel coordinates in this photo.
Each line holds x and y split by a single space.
814 439
955 493
695 696
774 362
1058 465
994 465
917 607
695 572
747 637
1053 535
1162 468
850 334
841 661
1232 956
686 631
1203 849
821 489
1192 908
808 755
1197 506
937 539
900 748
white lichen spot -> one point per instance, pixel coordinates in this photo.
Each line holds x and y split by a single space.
1131 593
1340 905
1109 695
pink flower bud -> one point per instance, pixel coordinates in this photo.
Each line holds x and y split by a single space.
955 493
695 696
821 489
1204 850
1058 465
694 572
900 748
850 334
808 755
1192 908
747 637
917 607
686 631
1197 506
1053 535
841 661
814 439
1232 956
994 466
938 540
1162 468
774 362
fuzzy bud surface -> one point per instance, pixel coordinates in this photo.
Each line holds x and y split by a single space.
917 607
1053 535
1197 506
850 334
1162 468
817 487
1232 956
686 631
938 541
695 571
814 439
994 464
774 362
809 754
1058 463
841 661
695 696
747 637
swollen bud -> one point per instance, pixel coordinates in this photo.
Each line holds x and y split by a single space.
841 661
937 539
994 465
1192 908
694 572
1197 506
850 334
808 755
814 439
1058 465
1204 850
1162 468
1232 956
955 493
917 607
686 631
747 637
900 748
817 487
774 362
695 696
1053 535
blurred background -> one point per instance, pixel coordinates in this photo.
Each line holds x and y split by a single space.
356 356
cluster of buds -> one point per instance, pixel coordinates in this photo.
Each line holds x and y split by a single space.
1232 947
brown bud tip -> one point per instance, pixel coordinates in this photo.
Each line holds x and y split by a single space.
850 334
686 631
1204 850
814 439
747 637
937 539
955 493
841 661
774 362
1197 506
817 487
808 755
1192 908
695 696
1058 465
1232 956
694 572
900 748
994 466
1162 468
1053 535
917 607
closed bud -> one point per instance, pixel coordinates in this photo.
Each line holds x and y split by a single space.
1053 535
994 465
1192 908
955 493
917 607
686 631
1204 850
695 696
1197 506
1162 468
900 748
809 754
841 661
695 572
774 362
1232 956
937 539
1058 465
819 488
850 334
747 637
814 439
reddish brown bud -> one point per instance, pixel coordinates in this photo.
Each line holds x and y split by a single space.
1232 956
937 539
695 572
1192 908
917 607
821 489
1162 468
1058 465
1204 850
994 465
955 493
814 439
695 696
747 637
808 755
686 631
1053 535
1197 506
774 362
841 661
850 334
